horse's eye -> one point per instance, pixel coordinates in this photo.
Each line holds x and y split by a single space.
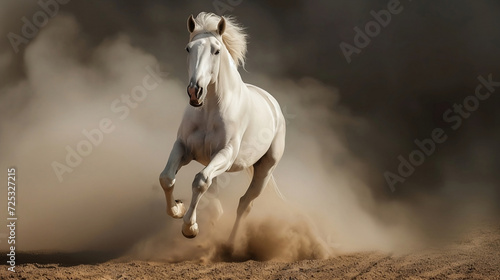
187 49
217 52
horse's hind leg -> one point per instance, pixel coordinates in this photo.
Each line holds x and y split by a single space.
177 158
262 174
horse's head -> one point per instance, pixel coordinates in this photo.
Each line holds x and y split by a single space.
203 61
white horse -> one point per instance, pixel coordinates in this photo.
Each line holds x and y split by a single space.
230 126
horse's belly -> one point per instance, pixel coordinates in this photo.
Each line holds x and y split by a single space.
241 164
245 159
249 153
203 146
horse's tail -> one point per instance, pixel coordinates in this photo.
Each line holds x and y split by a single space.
249 171
271 182
276 189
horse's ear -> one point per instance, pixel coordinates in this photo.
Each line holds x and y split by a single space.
191 24
221 27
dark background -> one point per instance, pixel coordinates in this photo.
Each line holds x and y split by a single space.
427 59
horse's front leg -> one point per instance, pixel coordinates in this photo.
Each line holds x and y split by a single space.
177 159
221 162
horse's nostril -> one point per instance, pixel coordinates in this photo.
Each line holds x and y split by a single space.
194 90
191 91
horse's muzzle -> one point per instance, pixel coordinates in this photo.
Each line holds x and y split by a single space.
194 93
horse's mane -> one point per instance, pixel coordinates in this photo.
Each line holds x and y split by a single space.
234 38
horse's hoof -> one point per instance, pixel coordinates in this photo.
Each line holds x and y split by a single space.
188 236
190 231
178 210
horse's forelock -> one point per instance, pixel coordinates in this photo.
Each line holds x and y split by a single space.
234 38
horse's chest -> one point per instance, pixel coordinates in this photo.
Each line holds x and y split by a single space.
204 143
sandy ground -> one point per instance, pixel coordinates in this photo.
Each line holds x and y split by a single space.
476 256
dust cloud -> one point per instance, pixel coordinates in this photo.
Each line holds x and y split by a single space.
80 70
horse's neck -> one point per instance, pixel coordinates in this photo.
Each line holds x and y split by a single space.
229 85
